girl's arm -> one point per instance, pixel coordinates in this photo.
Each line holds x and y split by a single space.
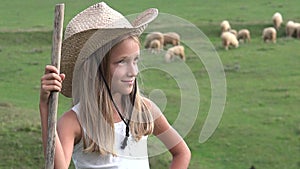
181 154
64 141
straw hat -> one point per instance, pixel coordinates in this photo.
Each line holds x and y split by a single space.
90 30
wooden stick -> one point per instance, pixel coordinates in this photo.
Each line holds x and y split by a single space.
53 100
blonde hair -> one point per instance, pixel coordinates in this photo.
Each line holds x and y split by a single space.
96 107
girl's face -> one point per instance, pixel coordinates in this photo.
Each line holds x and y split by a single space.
123 66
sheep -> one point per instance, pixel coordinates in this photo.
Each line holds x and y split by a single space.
225 26
269 34
155 46
233 31
229 39
244 35
175 51
151 36
297 27
277 20
290 29
171 38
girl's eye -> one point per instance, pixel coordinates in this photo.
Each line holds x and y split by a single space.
136 60
121 61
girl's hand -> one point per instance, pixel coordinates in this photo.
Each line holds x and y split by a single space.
50 81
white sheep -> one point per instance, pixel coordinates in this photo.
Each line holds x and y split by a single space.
172 38
277 20
244 35
225 26
297 27
151 36
175 51
290 29
155 46
233 31
269 34
229 39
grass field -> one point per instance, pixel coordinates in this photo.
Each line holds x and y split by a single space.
260 125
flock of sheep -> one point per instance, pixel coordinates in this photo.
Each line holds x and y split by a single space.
156 41
231 38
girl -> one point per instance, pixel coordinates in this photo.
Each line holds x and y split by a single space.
110 121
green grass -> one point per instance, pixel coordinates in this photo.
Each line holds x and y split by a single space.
261 121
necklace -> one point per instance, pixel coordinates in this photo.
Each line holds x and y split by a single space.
124 143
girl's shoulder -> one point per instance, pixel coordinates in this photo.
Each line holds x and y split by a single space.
154 109
146 101
69 122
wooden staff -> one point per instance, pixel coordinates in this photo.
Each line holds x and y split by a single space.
53 100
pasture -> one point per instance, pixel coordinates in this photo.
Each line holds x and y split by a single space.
260 125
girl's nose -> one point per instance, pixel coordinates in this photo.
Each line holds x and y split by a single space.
133 69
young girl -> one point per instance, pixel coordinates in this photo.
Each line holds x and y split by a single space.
110 121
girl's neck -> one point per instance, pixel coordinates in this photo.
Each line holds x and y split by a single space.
117 99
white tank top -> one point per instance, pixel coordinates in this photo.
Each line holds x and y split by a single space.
134 156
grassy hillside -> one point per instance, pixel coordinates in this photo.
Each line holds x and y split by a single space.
35 14
260 125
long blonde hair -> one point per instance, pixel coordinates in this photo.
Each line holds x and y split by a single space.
96 107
